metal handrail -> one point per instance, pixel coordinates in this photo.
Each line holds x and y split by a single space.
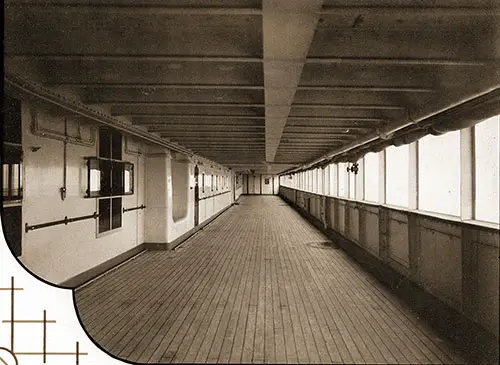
142 206
65 221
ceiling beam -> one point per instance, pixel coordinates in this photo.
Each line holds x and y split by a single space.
218 138
174 131
432 11
278 63
182 103
130 57
190 116
353 88
252 105
138 8
186 126
399 61
354 119
349 106
210 116
106 85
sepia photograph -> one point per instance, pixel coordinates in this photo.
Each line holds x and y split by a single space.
250 181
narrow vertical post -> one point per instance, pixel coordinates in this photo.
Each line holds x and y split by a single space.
360 180
382 177
413 176
467 174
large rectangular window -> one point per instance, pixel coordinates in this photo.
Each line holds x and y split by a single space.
397 175
109 176
372 176
343 182
439 173
487 137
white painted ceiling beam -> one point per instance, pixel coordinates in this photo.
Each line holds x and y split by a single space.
288 30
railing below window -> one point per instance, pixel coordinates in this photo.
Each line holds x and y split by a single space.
142 206
65 221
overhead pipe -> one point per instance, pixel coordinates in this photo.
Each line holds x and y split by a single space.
22 87
421 124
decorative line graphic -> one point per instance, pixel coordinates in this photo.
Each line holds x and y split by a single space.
10 356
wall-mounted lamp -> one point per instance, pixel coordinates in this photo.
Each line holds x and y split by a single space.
34 149
353 168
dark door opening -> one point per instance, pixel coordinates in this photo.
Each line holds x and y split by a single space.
12 174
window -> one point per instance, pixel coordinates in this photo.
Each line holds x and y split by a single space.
372 176
12 174
202 182
343 182
397 175
487 137
108 177
439 173
266 180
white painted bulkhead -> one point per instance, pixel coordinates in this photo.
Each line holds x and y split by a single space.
163 182
60 252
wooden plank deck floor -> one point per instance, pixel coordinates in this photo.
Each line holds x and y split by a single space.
258 285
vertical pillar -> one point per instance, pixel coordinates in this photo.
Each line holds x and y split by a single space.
470 268
360 180
383 233
467 174
414 245
413 176
335 175
382 177
326 180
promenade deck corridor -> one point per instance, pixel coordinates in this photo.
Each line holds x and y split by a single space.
258 285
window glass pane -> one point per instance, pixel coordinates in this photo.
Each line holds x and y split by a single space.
95 180
104 215
487 170
439 173
20 178
397 179
128 178
15 179
372 165
352 185
116 145
342 179
105 167
116 219
104 143
5 180
117 178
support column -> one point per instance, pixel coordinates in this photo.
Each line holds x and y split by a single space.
413 176
467 174
382 177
